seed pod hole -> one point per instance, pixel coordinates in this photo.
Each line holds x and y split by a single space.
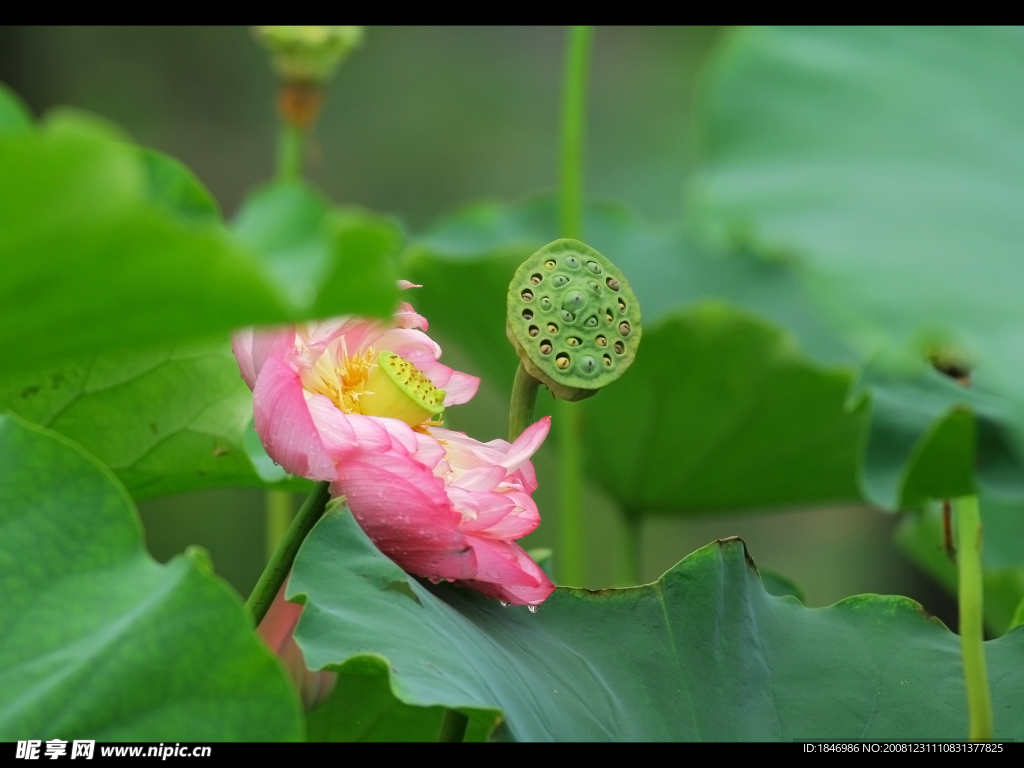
534 330
572 262
590 322
549 264
622 306
535 279
552 328
527 295
545 347
612 283
607 361
568 316
545 302
594 267
601 341
594 287
624 328
588 364
619 347
562 361
527 314
572 341
559 280
608 317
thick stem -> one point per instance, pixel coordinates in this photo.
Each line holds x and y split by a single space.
453 726
524 398
289 153
281 561
979 701
567 417
571 564
574 112
279 517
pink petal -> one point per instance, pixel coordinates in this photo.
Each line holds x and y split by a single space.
527 444
404 509
405 285
519 595
280 620
509 515
480 479
406 317
285 425
252 348
498 564
342 432
461 388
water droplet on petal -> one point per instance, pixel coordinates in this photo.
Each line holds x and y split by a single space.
504 604
533 608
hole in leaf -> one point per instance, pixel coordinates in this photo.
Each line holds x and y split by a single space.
594 267
545 347
549 264
590 322
572 262
545 302
527 314
559 280
572 341
601 341
622 306
535 279
624 328
562 361
607 361
527 294
619 347
534 330
552 328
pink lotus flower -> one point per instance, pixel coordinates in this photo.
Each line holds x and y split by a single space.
356 402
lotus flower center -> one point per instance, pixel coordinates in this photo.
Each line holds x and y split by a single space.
376 384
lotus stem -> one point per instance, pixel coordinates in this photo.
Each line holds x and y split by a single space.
524 398
281 561
453 726
979 701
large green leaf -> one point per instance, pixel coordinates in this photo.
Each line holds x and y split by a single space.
887 164
98 641
107 247
719 411
703 653
166 420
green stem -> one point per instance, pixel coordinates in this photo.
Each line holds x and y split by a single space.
453 726
979 701
279 517
289 153
574 112
571 564
524 398
281 561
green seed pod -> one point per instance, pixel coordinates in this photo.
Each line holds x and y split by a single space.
573 319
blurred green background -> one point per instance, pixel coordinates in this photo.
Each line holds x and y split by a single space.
420 121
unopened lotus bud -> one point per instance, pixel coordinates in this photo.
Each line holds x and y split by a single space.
573 319
308 53
305 58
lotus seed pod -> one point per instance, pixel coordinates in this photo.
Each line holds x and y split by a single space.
573 319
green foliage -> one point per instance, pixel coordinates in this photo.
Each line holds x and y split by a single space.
329 261
14 116
720 410
166 420
101 642
640 663
884 164
108 247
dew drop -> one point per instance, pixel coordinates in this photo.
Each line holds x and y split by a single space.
504 604
533 608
